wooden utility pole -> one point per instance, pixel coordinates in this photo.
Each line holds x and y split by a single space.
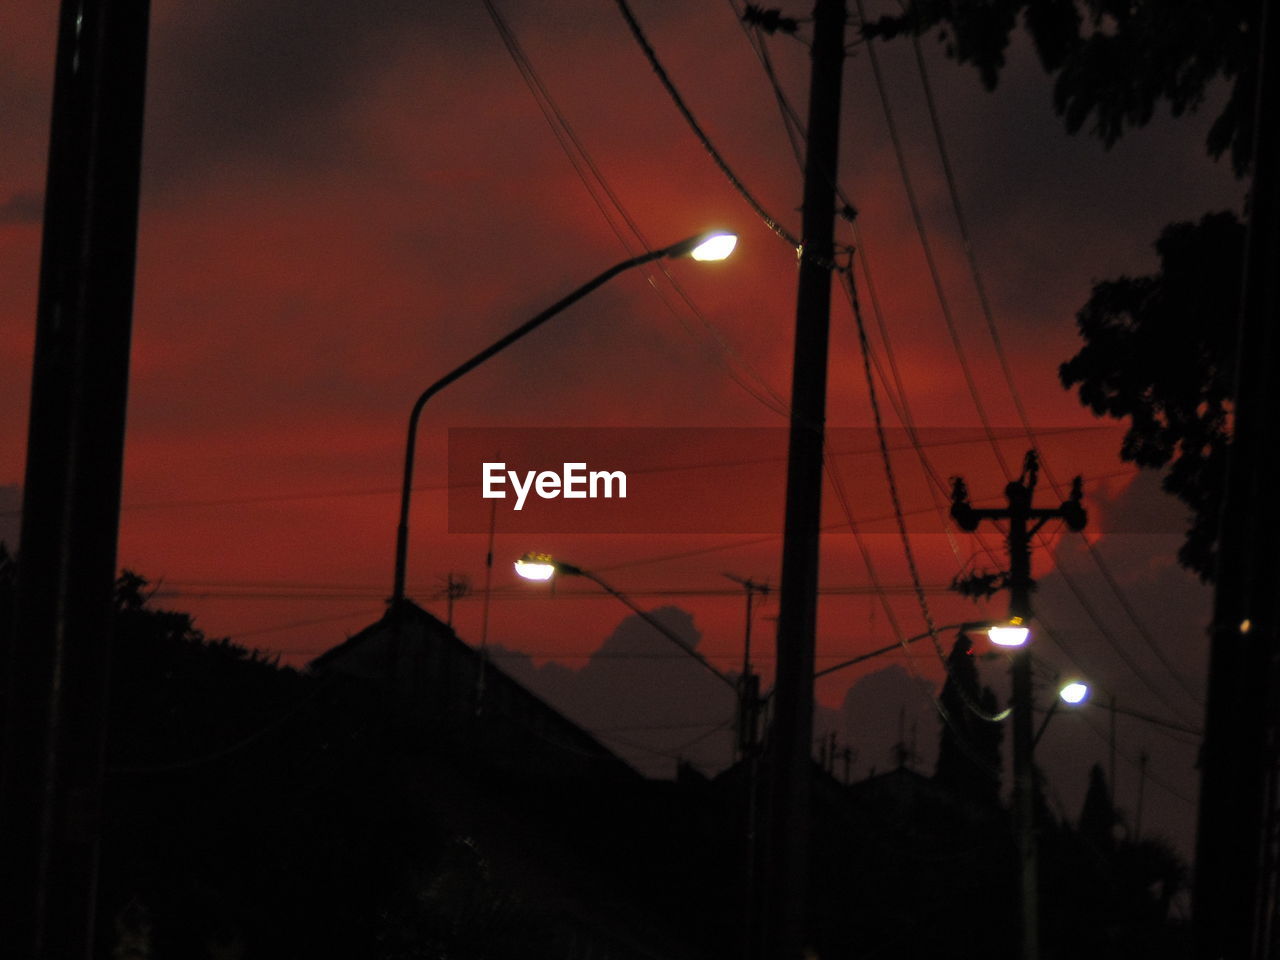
786 839
55 670
1024 521
1235 887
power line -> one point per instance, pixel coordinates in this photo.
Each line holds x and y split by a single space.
1007 370
944 305
908 551
600 190
507 593
701 134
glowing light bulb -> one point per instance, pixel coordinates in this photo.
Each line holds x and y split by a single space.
536 566
715 247
1011 634
1074 692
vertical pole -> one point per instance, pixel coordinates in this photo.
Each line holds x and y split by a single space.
1111 751
1020 584
787 839
1142 784
746 732
56 667
1234 887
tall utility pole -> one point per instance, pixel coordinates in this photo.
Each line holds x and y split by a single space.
1235 889
787 831
1024 521
55 670
749 680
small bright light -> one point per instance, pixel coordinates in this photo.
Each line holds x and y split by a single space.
536 566
715 247
1011 634
1074 692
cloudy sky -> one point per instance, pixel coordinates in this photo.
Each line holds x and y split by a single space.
341 203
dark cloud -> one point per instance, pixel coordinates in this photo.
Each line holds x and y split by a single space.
881 711
1048 212
268 81
1153 662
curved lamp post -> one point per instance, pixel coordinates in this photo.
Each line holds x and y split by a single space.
964 627
714 245
542 567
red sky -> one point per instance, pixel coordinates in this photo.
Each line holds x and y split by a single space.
340 204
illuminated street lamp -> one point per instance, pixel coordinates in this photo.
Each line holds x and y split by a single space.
536 566
1073 692
710 246
1013 633
713 246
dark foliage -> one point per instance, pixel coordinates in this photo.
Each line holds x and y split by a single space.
1098 816
1114 61
251 808
1159 350
969 748
1106 897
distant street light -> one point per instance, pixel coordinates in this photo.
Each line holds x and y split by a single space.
541 567
1073 692
713 245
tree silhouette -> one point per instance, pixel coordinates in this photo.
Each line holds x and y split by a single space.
1114 61
969 749
1098 816
1159 350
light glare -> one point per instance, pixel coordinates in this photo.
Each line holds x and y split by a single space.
1008 635
536 566
716 247
1074 692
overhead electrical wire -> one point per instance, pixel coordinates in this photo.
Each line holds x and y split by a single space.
975 395
795 132
1167 787
679 100
711 149
898 398
832 474
904 536
1007 369
267 592
927 249
600 191
643 41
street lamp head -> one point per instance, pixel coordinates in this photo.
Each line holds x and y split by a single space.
1011 634
536 566
1074 691
713 245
